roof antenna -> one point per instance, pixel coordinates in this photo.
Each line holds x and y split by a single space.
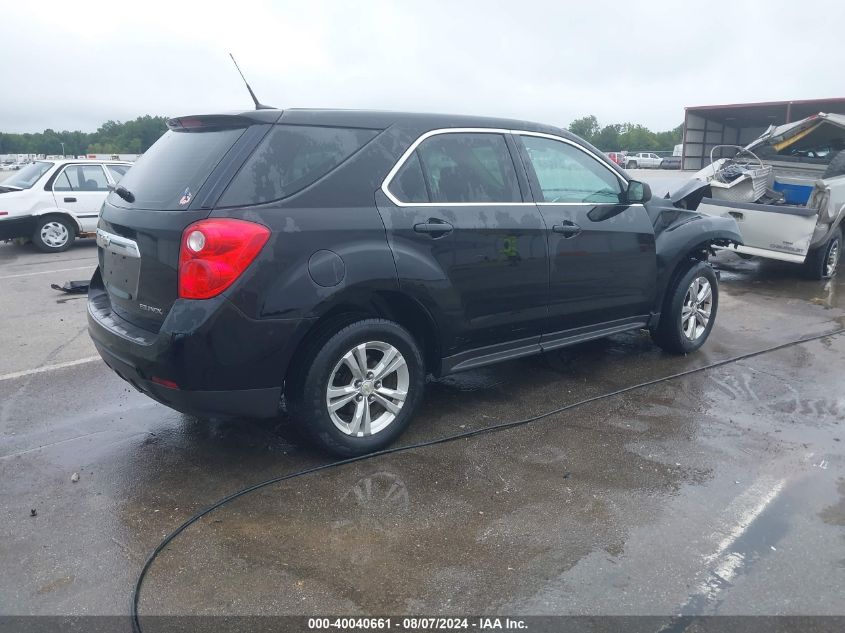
258 105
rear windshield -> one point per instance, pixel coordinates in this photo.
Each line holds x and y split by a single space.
170 173
29 175
290 158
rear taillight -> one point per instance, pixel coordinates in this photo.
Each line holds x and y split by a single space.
215 252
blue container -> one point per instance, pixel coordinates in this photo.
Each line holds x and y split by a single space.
792 193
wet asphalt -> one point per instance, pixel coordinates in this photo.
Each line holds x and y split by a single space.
719 492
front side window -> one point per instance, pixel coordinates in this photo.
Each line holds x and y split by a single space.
469 167
290 158
81 178
567 174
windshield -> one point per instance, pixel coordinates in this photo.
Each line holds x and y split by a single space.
28 176
170 173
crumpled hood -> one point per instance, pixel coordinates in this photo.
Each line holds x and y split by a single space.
781 135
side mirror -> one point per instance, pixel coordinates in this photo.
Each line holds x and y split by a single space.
637 192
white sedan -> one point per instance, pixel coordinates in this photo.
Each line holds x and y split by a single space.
53 202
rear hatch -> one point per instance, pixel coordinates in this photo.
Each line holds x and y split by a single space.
175 183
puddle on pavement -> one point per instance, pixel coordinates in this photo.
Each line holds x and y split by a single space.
435 530
456 528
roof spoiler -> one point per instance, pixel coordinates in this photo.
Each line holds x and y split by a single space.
211 122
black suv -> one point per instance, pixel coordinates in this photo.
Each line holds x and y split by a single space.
337 257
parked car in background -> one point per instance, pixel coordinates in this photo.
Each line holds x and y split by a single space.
338 257
617 157
642 160
670 162
53 202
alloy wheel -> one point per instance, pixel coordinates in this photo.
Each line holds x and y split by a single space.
695 312
832 259
367 388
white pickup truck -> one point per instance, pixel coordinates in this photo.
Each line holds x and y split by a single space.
52 202
786 190
642 160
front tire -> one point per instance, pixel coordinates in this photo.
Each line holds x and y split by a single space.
821 263
689 310
358 388
53 234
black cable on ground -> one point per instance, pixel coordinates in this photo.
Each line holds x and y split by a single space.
136 594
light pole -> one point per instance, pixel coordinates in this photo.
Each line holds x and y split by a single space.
63 149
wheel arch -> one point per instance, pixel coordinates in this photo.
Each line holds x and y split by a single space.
673 267
60 212
683 262
391 305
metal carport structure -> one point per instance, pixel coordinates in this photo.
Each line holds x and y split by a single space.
740 123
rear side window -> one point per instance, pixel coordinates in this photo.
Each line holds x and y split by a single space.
469 167
408 185
170 173
290 158
118 171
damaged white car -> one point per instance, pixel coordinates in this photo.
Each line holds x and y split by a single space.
786 190
53 202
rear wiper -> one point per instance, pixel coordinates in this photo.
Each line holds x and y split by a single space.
123 192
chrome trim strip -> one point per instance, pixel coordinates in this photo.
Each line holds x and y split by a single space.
480 130
118 244
595 204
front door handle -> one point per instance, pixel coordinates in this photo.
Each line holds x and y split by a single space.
434 228
567 229
70 199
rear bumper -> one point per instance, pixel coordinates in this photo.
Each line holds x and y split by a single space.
11 228
253 403
224 364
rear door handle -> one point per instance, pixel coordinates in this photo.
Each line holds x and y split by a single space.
567 229
437 229
70 199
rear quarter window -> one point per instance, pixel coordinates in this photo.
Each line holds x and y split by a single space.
290 158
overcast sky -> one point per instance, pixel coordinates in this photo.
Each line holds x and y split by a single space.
73 65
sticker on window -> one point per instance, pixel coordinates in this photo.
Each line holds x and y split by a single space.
186 197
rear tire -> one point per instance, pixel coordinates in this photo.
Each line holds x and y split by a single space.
357 388
836 167
631 165
689 310
53 234
822 262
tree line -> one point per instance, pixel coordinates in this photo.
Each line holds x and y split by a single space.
135 137
112 137
625 136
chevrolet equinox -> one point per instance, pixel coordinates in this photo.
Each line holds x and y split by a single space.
329 260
